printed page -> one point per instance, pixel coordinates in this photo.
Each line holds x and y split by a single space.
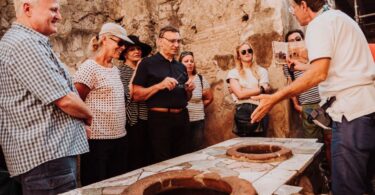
289 50
297 51
280 51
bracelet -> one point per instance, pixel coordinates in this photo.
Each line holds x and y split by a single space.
262 90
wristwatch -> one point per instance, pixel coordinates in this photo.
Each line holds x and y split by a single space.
262 90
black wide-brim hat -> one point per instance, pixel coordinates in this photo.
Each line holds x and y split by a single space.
145 48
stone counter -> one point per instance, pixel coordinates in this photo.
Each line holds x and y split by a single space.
266 178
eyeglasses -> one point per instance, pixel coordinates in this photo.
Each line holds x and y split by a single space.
295 39
250 51
179 41
119 42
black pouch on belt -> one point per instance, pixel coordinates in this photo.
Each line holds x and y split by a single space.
320 117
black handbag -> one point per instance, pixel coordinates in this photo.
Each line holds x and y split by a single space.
242 119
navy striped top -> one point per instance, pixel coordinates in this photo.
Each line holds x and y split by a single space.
310 96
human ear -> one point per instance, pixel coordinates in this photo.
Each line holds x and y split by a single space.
27 9
304 5
158 42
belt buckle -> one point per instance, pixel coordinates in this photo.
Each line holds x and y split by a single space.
174 110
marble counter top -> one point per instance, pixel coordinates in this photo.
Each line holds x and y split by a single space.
267 178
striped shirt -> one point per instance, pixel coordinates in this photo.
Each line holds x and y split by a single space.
310 96
106 99
34 130
195 105
134 110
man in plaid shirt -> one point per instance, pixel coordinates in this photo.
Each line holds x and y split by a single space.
43 117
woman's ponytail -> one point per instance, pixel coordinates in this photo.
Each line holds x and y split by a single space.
94 45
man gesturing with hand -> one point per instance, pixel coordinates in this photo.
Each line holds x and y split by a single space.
342 65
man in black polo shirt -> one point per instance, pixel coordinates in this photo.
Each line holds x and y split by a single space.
163 83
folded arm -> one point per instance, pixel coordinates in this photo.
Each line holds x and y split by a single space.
73 105
240 92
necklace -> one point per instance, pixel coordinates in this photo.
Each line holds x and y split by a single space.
323 9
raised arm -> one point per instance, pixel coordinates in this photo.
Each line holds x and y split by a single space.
144 93
189 88
312 77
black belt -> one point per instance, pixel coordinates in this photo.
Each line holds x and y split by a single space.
169 110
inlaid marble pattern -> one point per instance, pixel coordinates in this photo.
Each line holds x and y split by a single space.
267 178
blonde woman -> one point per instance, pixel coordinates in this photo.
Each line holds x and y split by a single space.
246 80
99 85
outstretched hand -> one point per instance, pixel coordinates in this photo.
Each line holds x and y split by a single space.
266 102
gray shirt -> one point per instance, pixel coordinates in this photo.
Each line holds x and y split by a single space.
34 130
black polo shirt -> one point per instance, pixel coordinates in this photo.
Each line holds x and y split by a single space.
153 70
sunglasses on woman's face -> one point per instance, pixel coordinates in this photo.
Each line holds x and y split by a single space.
250 51
119 42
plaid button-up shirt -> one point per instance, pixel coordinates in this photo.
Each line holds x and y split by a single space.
33 129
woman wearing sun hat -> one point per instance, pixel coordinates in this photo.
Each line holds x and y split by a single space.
99 85
136 112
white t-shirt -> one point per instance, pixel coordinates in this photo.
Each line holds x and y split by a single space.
195 104
248 81
106 99
351 73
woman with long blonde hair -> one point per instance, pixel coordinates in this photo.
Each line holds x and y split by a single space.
247 79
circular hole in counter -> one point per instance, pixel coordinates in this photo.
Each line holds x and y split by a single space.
260 152
184 182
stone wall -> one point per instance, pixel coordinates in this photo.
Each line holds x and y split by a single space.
211 29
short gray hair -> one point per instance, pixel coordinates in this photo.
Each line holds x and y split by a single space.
19 3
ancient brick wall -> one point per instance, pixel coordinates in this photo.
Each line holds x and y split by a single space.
210 28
